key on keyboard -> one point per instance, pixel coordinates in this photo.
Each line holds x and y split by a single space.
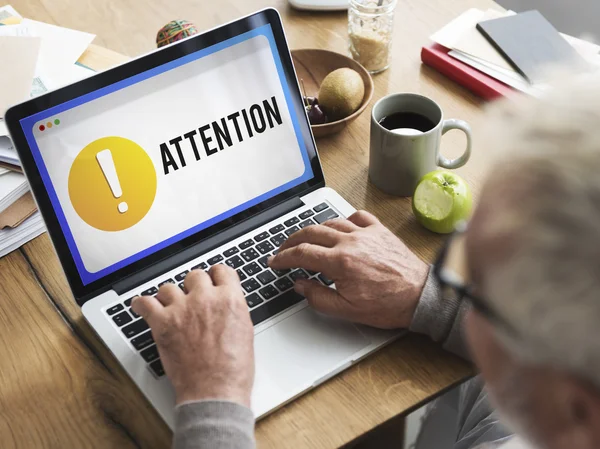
265 247
284 283
266 277
150 353
306 223
235 262
307 213
263 261
231 251
247 244
320 207
114 309
253 300
291 221
277 229
122 319
290 231
215 259
141 341
157 368
181 276
298 274
278 239
260 237
249 255
325 215
168 281
250 285
268 292
131 330
252 268
150 292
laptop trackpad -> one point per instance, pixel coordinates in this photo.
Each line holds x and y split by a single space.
297 351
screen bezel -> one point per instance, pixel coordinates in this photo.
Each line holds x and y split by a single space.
198 42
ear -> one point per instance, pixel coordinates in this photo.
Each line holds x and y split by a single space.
582 401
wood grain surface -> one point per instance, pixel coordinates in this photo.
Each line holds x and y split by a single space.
60 387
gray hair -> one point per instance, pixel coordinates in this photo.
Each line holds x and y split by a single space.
548 287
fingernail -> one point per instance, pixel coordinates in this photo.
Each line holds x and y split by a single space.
269 259
300 286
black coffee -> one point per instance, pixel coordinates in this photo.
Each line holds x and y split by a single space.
403 120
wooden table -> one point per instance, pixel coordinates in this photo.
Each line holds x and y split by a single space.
60 387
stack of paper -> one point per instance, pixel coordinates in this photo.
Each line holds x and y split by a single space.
13 238
12 187
469 46
36 57
8 154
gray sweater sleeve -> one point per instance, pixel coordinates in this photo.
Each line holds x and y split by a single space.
474 422
440 317
213 425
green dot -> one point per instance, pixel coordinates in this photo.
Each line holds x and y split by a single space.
57 122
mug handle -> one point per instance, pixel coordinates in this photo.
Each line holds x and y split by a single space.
462 160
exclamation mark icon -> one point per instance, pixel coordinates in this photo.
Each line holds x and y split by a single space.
107 165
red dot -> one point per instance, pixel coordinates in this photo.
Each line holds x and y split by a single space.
42 127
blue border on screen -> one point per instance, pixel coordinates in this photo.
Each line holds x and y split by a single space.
28 124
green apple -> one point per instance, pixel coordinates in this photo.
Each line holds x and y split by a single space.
441 200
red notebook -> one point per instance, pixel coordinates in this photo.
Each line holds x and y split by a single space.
482 85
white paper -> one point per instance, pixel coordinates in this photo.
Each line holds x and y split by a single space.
8 153
3 128
507 78
60 47
70 75
18 56
12 187
19 30
449 35
13 238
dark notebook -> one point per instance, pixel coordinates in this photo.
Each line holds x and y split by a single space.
530 44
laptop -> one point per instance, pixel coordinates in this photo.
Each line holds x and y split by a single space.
197 154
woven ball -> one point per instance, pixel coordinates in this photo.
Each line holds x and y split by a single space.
174 31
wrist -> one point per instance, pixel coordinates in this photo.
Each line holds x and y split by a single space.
203 392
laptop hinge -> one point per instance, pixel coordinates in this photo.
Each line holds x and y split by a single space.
207 245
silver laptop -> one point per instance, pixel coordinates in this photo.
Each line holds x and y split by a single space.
194 155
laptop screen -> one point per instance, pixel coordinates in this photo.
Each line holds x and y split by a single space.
152 159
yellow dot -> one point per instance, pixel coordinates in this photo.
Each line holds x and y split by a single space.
49 125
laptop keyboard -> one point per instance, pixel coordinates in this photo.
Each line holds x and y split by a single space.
267 291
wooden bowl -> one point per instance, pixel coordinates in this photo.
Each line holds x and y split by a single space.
313 65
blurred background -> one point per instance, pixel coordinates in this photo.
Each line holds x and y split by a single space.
574 17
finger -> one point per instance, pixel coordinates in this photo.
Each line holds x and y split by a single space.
149 308
341 224
325 299
363 219
224 275
304 255
168 294
315 235
197 279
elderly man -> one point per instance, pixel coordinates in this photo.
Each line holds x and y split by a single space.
522 282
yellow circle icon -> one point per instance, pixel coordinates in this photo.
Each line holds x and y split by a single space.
112 183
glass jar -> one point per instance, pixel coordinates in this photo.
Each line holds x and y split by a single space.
370 28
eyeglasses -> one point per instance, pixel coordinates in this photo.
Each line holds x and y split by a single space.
452 273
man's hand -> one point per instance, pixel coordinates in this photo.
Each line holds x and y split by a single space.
205 337
378 279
